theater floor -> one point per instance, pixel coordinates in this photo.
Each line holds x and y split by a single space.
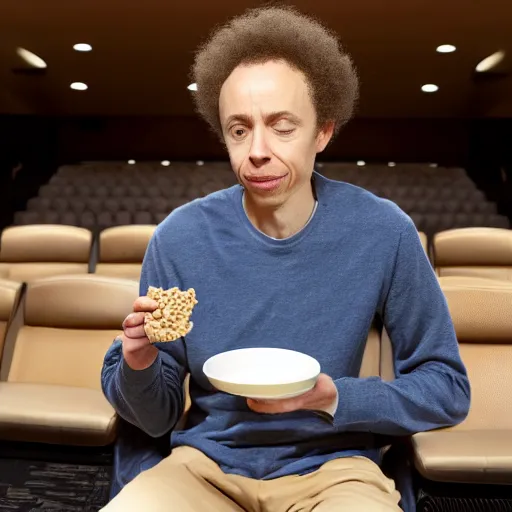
43 480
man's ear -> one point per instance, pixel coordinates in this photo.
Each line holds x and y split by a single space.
324 136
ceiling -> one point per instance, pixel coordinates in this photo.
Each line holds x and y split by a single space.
143 51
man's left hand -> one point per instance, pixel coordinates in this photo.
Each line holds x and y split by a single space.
320 398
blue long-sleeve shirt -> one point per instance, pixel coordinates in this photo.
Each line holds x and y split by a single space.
317 292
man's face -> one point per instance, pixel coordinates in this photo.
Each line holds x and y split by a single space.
270 130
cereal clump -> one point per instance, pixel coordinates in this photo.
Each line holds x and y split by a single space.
171 320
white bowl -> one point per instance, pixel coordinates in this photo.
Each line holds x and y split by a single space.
264 373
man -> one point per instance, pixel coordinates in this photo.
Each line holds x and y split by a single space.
286 259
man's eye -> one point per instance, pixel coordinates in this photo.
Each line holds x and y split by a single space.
238 132
285 132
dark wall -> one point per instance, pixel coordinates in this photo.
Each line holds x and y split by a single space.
490 160
31 142
188 138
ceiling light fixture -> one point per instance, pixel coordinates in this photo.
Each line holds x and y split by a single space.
199 162
446 48
391 164
31 58
165 163
79 86
131 162
361 163
490 62
192 87
82 47
429 88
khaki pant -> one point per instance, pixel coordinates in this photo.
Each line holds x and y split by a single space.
188 481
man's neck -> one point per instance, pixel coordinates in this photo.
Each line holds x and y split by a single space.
285 221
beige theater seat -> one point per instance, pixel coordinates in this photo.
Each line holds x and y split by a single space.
424 241
53 391
35 251
122 250
9 298
478 252
479 450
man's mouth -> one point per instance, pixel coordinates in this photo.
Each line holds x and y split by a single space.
264 182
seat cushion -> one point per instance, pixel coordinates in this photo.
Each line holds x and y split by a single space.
60 357
470 456
55 414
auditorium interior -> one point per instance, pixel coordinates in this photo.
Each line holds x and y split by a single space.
99 142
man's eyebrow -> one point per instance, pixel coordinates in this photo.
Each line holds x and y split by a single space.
240 118
269 118
273 116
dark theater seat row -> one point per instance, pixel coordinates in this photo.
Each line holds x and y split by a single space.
99 195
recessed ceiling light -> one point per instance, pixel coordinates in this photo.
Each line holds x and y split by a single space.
200 162
79 86
192 87
490 62
446 48
391 164
433 165
429 88
131 162
31 58
361 163
82 47
165 163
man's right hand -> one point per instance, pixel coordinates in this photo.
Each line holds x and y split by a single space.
138 352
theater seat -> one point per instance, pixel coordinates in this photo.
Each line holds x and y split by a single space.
10 292
32 252
122 250
53 391
479 450
479 252
424 241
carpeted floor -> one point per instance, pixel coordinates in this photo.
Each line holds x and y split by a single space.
35 485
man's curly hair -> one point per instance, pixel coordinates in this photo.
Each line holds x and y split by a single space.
277 33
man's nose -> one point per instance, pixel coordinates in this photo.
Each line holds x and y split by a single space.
260 149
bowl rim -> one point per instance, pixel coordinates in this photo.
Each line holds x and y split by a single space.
314 374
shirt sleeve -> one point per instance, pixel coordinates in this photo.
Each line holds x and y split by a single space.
431 389
151 399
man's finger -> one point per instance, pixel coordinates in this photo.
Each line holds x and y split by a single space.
133 320
145 304
275 406
135 332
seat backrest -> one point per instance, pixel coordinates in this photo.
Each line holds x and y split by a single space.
481 310
9 298
69 323
122 250
424 241
370 366
478 252
32 252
